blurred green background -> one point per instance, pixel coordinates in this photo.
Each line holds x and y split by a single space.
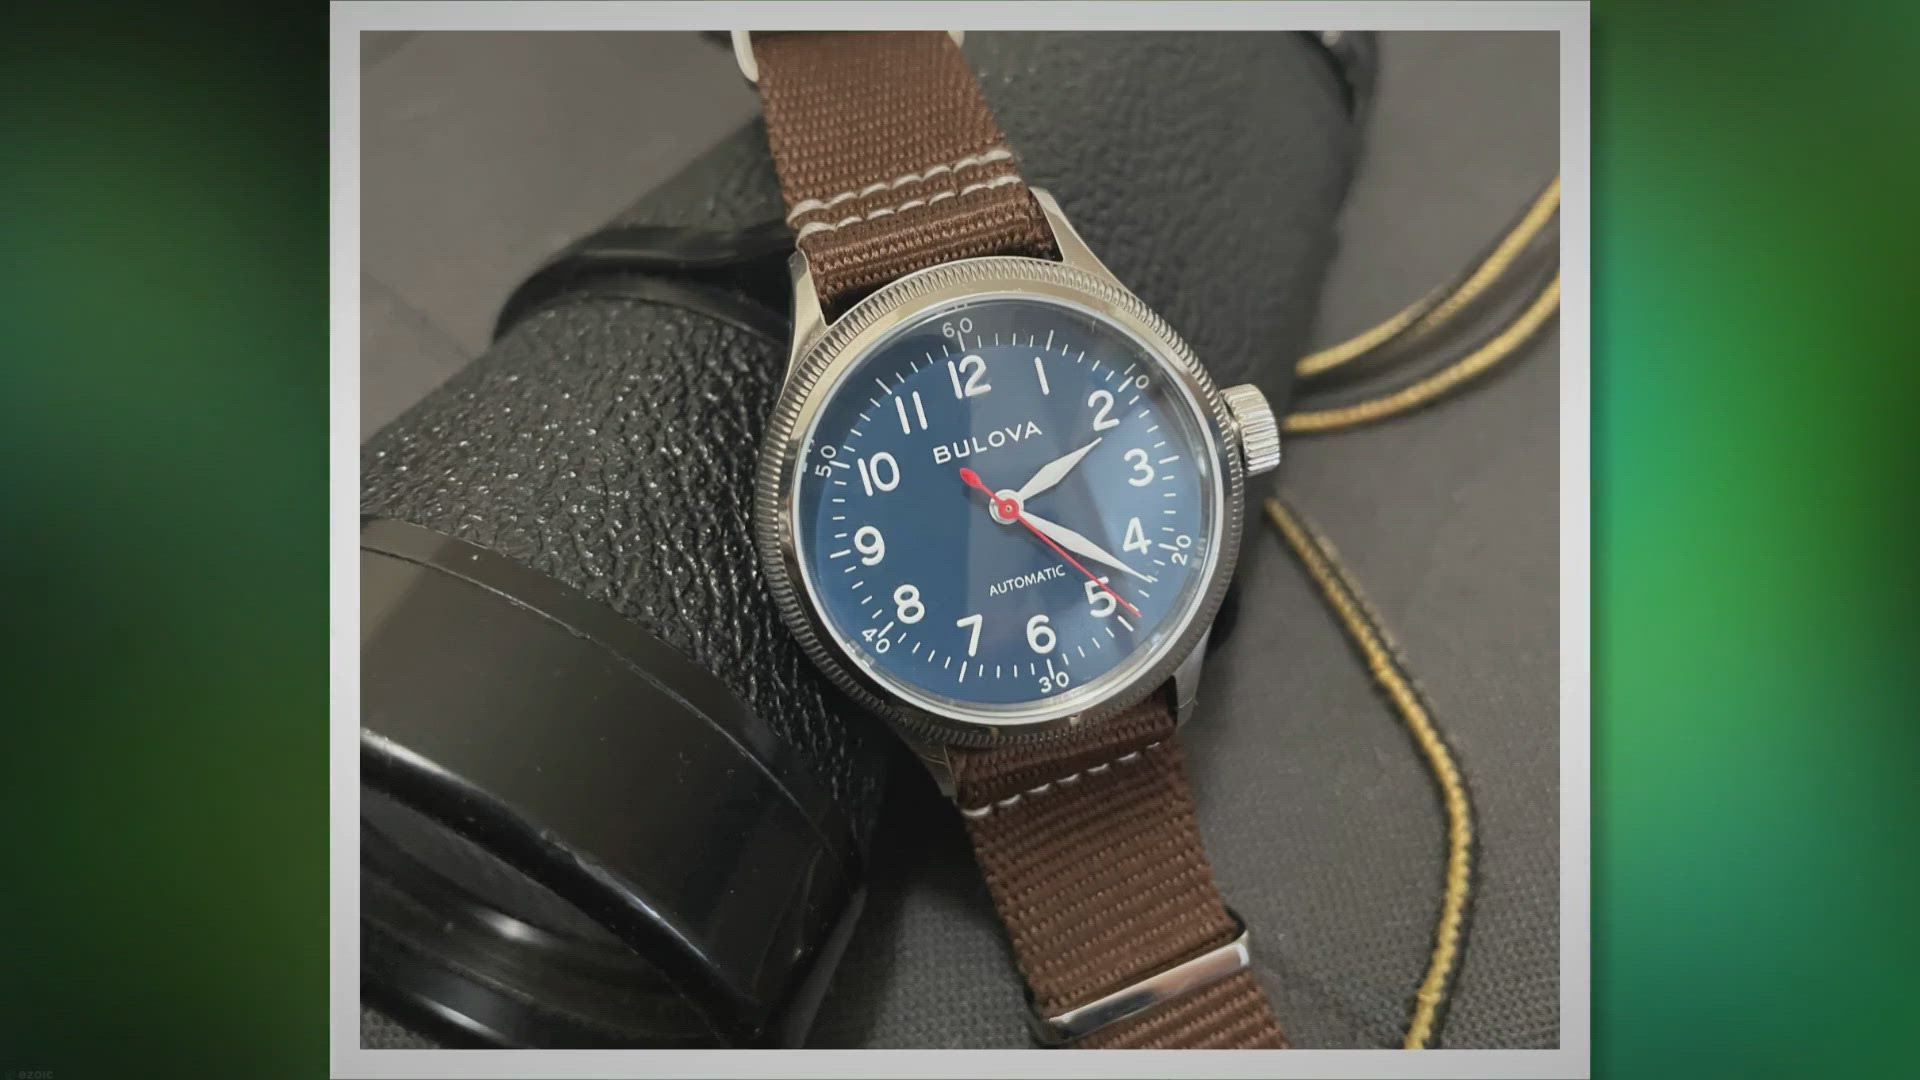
1757 664
163 429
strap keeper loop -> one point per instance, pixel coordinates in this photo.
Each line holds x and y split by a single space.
1157 989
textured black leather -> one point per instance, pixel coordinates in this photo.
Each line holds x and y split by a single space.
609 443
608 437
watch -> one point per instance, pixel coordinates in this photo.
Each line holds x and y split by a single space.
999 503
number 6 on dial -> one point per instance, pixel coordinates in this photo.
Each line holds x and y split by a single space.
1040 636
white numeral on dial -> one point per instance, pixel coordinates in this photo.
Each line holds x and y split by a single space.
870 544
1040 636
1102 600
1136 538
1143 470
907 606
1177 551
879 472
976 371
973 642
919 411
1103 402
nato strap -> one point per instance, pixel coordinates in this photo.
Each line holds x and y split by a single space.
890 162
889 159
1094 860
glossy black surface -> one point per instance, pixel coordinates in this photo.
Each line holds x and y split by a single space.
582 755
736 275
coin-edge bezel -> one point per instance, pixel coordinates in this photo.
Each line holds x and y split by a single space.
849 339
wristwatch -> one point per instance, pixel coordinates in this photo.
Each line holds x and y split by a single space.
999 502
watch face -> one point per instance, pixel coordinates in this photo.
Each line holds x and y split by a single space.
1005 509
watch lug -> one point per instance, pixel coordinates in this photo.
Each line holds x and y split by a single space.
1186 680
1073 250
934 757
809 322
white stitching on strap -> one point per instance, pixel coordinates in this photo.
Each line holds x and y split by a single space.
812 227
1013 800
985 157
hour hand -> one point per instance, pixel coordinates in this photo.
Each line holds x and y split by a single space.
1053 472
1080 545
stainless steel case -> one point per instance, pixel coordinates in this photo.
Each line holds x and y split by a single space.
821 352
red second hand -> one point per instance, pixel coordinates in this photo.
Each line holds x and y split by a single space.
1011 508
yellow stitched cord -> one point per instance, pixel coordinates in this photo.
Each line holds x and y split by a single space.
1436 308
1361 626
1423 391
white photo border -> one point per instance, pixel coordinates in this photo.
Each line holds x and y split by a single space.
1570 18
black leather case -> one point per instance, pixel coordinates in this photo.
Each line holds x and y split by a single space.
606 440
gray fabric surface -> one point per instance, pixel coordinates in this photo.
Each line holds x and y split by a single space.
1324 828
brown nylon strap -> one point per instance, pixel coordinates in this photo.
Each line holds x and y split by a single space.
890 162
888 158
1094 860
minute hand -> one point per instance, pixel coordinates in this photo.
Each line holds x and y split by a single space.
1053 472
1080 545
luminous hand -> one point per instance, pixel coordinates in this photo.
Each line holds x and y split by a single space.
1010 509
1053 472
1080 545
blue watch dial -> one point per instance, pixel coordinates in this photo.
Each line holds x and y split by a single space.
1006 505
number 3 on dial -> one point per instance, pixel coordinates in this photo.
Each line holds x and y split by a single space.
1142 470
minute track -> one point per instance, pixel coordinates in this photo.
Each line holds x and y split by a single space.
1010 384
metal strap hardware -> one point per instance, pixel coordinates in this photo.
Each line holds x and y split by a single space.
1177 981
1093 858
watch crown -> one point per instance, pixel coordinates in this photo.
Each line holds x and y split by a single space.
1259 431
